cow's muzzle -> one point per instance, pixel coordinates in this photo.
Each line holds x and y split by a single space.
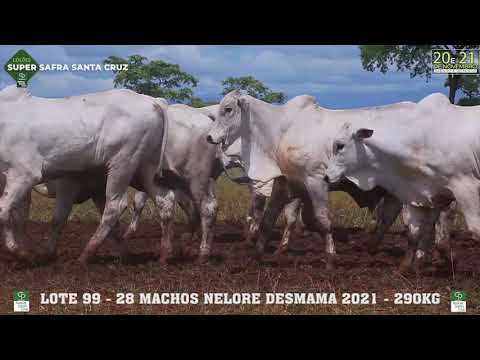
211 141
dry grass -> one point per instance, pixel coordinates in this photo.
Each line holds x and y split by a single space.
298 273
234 201
358 272
115 279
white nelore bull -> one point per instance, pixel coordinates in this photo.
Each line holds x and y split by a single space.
118 133
260 192
384 212
290 143
189 168
427 154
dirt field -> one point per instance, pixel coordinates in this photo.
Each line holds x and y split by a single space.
232 271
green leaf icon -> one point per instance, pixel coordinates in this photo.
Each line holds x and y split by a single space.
21 67
21 296
458 296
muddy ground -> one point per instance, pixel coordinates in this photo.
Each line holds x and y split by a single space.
231 270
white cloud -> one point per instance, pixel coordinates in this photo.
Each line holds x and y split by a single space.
333 73
60 84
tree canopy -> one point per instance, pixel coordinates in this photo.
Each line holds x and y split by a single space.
198 103
254 88
156 78
417 60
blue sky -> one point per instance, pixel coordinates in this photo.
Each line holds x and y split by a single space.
331 73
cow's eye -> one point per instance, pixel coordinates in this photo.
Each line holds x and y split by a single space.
228 110
339 147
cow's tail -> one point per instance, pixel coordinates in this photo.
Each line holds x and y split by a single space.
162 106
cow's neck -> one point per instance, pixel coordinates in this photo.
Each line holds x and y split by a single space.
262 127
265 123
389 169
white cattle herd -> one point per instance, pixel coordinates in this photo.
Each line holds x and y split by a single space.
419 157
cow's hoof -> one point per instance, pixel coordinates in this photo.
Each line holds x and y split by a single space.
372 246
418 266
438 259
405 267
372 250
128 234
331 263
260 247
203 259
247 245
23 255
166 257
281 250
195 237
406 263
258 254
250 238
45 258
84 259
7 256
165 260
127 258
371 227
443 261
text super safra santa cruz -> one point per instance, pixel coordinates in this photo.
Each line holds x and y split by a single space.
67 67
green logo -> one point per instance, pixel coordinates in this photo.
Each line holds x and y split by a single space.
458 296
21 296
21 67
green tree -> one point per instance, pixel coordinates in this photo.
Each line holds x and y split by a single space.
471 85
155 78
471 88
254 88
198 103
466 101
417 59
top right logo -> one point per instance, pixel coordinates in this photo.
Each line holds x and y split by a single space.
460 62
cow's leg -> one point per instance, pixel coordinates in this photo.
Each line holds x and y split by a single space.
188 206
63 208
384 216
118 181
274 208
420 222
12 208
254 217
164 199
442 254
291 215
466 192
140 200
208 215
318 193
119 241
21 214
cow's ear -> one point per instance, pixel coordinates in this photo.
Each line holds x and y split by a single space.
236 93
363 133
242 102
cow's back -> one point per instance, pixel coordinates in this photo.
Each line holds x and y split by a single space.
73 133
188 153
